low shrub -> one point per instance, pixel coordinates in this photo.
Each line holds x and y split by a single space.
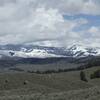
95 74
83 76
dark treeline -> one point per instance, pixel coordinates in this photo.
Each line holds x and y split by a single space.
91 63
84 63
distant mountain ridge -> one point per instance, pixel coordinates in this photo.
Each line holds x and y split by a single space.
31 51
41 58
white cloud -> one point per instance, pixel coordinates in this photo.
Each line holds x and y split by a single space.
41 21
95 32
72 6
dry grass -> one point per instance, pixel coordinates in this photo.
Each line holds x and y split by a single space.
57 86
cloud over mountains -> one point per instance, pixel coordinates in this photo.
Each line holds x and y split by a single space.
50 22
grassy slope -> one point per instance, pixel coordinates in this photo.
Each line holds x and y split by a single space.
58 86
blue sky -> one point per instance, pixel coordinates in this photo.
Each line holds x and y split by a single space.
50 22
93 20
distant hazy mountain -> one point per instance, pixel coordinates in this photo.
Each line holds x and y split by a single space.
31 51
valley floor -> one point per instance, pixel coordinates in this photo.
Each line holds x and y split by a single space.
57 86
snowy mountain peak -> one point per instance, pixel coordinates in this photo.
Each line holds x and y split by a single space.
82 51
77 48
29 51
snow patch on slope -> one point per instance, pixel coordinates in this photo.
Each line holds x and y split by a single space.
35 54
81 51
45 52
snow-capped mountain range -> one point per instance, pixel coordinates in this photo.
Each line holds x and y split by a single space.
30 51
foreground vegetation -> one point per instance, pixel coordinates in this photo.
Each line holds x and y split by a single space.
52 86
